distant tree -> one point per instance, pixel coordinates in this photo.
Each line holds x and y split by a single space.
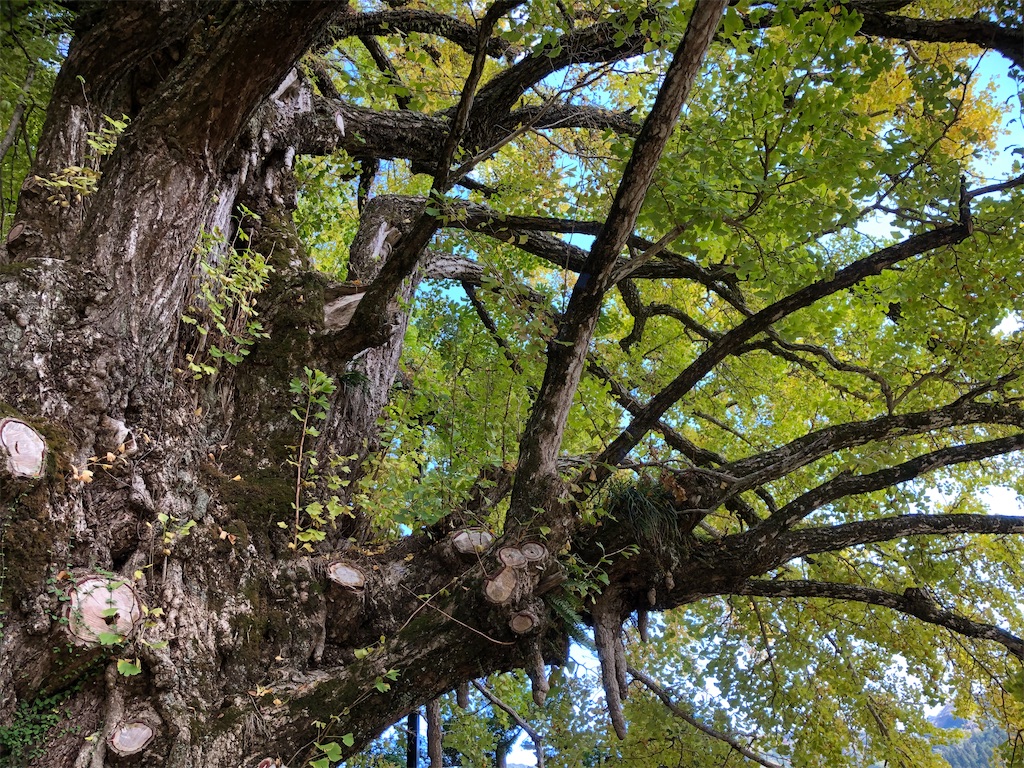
354 353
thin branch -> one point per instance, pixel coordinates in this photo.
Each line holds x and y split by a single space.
631 266
652 685
591 45
467 167
538 740
700 457
19 110
492 327
529 233
407 251
380 58
462 113
912 602
837 364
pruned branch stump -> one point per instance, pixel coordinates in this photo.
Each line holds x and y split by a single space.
534 551
102 610
502 588
345 595
523 622
471 541
130 738
512 557
346 576
24 448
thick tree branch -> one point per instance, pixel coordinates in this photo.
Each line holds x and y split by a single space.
984 34
809 541
435 734
543 434
877 22
1001 186
387 135
846 484
568 116
771 465
417 20
911 603
764 319
654 687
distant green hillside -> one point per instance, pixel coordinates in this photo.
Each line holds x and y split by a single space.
975 751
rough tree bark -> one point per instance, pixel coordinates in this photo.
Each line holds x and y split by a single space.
149 487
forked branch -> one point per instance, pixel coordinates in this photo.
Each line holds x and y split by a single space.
847 484
760 321
773 464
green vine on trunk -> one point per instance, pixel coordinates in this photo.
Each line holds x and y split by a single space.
77 181
314 389
223 311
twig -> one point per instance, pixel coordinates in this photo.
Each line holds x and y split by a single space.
426 604
538 740
682 714
19 111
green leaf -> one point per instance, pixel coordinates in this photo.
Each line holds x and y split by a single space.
128 668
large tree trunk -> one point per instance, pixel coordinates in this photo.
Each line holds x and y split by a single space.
167 490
